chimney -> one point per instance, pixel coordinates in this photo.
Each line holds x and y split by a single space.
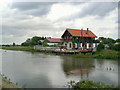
87 29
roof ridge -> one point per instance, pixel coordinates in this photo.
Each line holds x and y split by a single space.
77 29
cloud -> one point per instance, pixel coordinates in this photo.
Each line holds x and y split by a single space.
32 8
99 8
25 20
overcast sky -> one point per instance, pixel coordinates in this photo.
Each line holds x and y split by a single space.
22 20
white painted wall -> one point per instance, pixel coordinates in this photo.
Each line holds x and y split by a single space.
93 45
68 45
52 43
64 43
75 45
87 45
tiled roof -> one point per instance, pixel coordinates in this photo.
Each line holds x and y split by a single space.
55 40
81 33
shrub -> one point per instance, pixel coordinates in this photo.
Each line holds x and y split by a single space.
100 47
45 44
87 84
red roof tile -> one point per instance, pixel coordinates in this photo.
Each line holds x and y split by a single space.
55 40
81 33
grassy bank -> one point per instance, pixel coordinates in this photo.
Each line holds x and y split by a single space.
87 84
18 48
104 54
8 84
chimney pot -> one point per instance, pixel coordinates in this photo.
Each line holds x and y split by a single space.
87 28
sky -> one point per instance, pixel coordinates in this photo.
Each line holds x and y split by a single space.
22 20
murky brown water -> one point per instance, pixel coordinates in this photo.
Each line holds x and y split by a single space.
36 70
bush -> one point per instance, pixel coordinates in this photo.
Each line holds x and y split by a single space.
87 84
116 47
107 54
100 47
45 44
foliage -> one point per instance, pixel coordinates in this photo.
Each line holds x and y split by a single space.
45 45
117 40
13 44
116 47
33 41
110 42
103 54
19 48
87 84
100 47
106 40
107 54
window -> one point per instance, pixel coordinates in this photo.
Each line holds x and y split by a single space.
80 45
70 45
90 45
84 45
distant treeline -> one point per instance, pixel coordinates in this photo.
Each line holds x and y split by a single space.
108 43
32 41
105 43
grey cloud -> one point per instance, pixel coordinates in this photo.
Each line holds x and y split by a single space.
14 30
26 5
23 29
100 8
37 12
33 8
118 12
95 8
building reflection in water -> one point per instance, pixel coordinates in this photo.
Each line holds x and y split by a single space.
78 67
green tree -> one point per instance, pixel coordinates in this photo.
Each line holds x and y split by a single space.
13 44
45 44
116 47
33 41
117 40
100 47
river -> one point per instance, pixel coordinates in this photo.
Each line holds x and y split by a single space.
37 70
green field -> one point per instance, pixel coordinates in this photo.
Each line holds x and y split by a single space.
18 48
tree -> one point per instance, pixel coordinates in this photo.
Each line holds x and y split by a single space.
100 47
13 44
45 44
33 41
117 47
117 40
106 40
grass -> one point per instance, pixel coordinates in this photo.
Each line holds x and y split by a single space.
87 84
7 84
18 48
104 54
107 54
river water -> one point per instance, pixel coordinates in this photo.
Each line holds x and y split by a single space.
37 70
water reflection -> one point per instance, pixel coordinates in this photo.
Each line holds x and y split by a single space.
36 70
78 67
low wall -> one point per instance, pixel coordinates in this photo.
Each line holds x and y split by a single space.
38 47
